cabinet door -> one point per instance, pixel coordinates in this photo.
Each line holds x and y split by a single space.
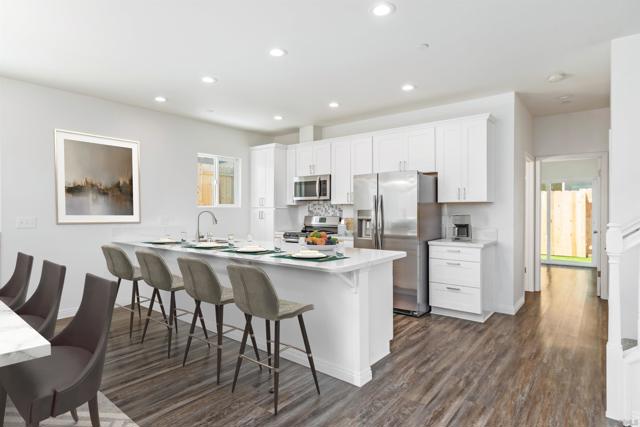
262 225
449 165
361 156
389 152
304 160
269 163
291 173
258 177
340 172
475 165
421 150
321 158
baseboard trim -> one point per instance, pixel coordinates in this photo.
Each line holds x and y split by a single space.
510 310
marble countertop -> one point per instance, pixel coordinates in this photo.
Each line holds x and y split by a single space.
19 342
356 259
461 243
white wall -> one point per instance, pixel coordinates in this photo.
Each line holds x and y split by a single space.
168 146
571 133
624 197
499 215
569 169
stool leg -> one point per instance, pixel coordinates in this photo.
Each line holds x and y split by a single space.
94 413
276 365
307 348
146 322
191 330
254 344
219 317
268 329
171 308
133 306
164 314
175 312
137 289
204 327
243 344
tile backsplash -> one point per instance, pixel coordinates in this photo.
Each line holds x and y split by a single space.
324 209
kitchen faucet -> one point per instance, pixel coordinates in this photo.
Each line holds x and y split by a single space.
213 218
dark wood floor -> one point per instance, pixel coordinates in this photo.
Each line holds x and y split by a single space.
543 367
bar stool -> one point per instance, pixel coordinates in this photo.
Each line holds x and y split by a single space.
121 267
255 295
156 274
202 284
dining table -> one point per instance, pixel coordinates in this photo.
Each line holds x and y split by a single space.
19 342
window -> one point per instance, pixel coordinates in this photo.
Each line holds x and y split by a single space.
218 181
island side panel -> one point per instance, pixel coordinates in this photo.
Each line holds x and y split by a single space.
381 306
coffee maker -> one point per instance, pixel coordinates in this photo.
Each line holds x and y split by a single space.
461 227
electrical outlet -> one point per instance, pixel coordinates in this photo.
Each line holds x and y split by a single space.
25 222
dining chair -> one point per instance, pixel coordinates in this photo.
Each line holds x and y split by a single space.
203 285
119 264
41 310
255 295
71 375
14 292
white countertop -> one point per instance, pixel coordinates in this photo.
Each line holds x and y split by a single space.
357 259
19 342
461 243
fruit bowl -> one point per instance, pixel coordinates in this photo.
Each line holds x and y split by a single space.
320 241
320 247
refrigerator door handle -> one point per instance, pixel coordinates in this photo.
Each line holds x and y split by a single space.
375 222
318 187
381 226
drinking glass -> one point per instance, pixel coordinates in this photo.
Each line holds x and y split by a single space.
340 249
302 241
230 240
277 244
183 236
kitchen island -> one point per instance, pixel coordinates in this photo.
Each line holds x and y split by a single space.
352 324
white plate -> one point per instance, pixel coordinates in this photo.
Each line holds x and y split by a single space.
251 249
164 241
309 255
209 245
321 247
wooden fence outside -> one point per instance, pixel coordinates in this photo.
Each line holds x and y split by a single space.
571 227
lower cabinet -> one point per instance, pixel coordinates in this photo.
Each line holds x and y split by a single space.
265 222
460 279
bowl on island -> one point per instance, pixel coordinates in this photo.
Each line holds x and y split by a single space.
320 241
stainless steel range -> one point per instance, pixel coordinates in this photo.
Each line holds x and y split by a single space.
328 224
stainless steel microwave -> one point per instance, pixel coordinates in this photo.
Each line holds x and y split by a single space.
317 187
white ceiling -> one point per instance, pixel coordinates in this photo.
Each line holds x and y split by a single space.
131 51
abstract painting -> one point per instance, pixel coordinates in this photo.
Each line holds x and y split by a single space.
97 179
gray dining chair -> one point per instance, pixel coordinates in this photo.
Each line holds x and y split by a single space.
255 295
14 292
41 310
71 375
202 284
156 273
119 264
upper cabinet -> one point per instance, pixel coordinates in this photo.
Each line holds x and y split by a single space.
291 173
405 150
349 157
313 158
268 176
465 160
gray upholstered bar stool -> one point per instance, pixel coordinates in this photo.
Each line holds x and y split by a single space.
255 295
202 284
156 274
121 267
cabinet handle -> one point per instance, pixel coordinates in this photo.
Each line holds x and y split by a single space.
455 251
451 288
464 193
458 193
454 263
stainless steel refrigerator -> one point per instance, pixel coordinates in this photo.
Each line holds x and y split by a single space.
399 211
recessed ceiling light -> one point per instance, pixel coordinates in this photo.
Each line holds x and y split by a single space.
160 99
278 117
383 9
277 52
209 79
408 87
211 110
334 104
424 46
556 77
565 99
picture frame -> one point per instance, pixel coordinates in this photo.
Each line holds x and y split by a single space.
97 178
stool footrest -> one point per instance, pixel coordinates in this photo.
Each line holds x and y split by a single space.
266 365
285 347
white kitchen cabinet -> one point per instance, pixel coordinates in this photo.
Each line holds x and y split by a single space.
262 224
465 160
460 279
413 149
313 158
349 157
268 170
291 174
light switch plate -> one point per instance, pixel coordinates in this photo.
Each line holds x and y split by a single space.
26 222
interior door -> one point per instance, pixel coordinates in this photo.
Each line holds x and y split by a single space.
421 150
389 152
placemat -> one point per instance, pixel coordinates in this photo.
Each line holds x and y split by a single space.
235 251
329 258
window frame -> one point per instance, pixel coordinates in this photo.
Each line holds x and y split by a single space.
237 181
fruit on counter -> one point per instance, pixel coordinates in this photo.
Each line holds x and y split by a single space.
321 238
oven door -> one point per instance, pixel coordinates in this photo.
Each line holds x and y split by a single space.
312 187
